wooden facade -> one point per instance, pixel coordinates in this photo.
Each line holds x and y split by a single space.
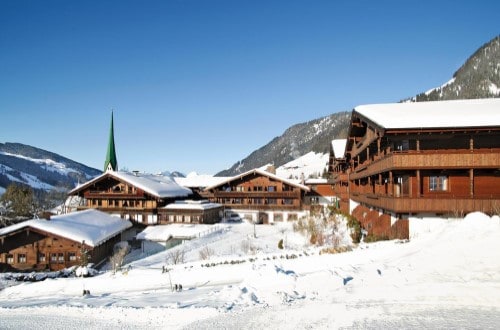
35 246
410 170
30 249
259 190
132 196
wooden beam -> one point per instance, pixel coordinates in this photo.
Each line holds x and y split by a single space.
471 182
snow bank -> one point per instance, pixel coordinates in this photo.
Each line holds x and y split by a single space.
446 276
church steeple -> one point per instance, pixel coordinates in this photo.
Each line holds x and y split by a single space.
111 164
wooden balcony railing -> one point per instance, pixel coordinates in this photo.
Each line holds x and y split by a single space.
429 204
113 195
442 159
257 194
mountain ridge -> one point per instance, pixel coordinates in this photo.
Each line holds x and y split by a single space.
40 169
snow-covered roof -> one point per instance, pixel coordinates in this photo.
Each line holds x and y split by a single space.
436 114
192 205
92 226
155 185
165 232
195 180
316 181
338 147
260 172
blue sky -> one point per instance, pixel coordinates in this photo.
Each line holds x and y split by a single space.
198 85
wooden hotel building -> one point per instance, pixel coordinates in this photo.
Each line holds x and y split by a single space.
439 158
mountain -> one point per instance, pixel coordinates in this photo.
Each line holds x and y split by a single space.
40 169
298 140
479 77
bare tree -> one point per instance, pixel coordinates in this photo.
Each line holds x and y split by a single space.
118 257
206 253
176 256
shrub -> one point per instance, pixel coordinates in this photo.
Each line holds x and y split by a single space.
280 244
206 253
355 227
375 238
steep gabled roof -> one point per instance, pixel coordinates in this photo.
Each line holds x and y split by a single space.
437 114
156 185
260 172
92 226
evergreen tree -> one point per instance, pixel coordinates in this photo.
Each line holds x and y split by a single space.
19 200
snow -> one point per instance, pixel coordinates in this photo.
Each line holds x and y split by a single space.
449 82
437 114
494 89
28 179
338 147
47 164
156 185
195 180
91 226
164 232
310 164
264 173
447 276
192 205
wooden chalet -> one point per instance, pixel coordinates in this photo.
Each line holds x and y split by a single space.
134 196
60 241
260 195
423 158
337 169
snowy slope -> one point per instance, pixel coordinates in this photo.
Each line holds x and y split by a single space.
447 276
311 164
40 169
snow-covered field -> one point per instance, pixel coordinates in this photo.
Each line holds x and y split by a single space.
446 276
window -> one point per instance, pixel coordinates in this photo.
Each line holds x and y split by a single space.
60 257
271 188
438 183
21 258
403 145
272 201
72 256
287 201
41 257
240 188
10 259
53 257
257 201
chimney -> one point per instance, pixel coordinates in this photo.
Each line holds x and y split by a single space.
271 169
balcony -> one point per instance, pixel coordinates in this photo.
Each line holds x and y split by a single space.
433 204
429 159
112 195
257 194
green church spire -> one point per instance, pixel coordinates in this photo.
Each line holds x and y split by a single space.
111 164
